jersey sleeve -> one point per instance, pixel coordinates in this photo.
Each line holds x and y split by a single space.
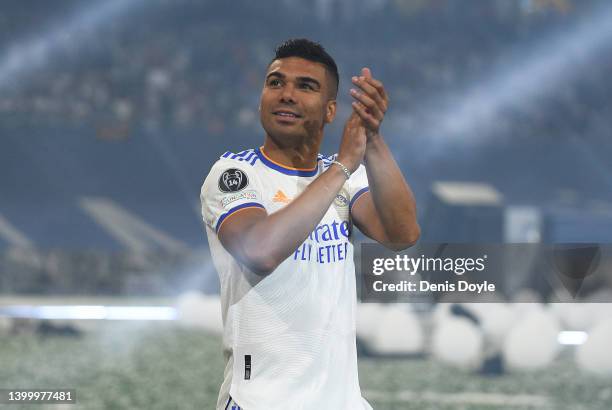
357 185
229 188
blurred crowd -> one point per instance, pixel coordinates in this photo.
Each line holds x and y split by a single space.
199 65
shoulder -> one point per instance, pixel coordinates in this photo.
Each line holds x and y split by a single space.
231 165
244 160
248 156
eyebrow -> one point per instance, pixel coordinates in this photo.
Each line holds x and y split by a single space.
303 79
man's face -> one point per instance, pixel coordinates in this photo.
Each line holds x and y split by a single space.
295 100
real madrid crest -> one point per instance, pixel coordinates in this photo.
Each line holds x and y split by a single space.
341 203
341 199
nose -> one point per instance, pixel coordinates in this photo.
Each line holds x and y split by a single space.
287 94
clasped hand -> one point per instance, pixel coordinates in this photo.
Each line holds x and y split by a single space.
363 124
371 101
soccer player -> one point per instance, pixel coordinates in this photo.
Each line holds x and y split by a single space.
279 220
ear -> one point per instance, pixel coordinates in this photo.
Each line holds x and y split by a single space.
330 111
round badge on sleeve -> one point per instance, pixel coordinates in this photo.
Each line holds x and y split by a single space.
233 180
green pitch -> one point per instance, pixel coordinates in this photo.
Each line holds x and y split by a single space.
160 366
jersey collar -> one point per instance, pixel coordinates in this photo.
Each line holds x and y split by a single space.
300 172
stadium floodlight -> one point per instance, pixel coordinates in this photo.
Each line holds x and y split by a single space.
523 76
25 57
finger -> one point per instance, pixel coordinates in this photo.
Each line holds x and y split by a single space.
370 104
377 84
367 74
369 121
380 88
365 118
372 92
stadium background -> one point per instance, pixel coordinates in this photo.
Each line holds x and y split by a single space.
111 114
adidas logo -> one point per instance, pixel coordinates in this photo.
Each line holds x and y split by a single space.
281 197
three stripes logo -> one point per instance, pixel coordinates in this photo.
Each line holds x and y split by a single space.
281 197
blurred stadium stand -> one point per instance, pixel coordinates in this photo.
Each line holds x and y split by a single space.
130 115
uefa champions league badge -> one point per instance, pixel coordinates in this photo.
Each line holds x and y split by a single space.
233 180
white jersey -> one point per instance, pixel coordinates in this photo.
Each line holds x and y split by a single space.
289 337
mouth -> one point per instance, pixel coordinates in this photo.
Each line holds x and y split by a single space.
286 115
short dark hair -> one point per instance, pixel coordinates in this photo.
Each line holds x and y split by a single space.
311 51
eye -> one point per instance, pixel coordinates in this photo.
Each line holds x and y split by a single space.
274 82
307 86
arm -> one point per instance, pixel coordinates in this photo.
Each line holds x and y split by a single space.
262 241
387 213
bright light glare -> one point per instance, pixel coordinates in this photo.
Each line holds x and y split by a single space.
24 57
90 312
572 337
526 74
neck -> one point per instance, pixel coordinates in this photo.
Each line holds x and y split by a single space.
302 156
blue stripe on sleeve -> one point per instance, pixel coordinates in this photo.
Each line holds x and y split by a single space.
244 153
248 157
357 195
237 208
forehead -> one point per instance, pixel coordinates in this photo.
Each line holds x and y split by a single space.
298 67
